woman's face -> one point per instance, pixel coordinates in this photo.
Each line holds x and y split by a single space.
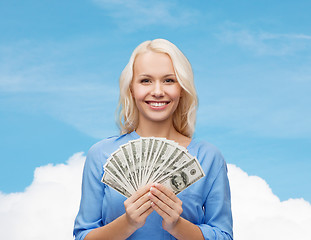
155 87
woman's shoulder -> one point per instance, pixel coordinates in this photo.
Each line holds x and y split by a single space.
111 143
101 151
203 146
206 153
103 143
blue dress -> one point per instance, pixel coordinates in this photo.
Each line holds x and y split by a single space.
206 203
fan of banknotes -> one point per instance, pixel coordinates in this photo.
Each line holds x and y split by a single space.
149 160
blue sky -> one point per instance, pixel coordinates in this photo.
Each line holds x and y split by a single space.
60 62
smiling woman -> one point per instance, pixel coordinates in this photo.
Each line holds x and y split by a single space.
168 64
157 99
155 88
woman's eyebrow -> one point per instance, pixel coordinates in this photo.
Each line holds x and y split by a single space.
144 75
170 75
167 75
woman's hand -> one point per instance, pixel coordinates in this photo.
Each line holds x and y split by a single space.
166 204
138 207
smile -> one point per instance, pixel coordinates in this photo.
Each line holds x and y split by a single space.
157 104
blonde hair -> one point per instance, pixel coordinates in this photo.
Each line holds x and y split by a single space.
185 115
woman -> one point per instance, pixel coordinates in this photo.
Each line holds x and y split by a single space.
157 98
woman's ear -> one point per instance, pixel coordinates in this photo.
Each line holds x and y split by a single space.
182 92
131 90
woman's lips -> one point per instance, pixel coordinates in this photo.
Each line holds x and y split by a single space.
157 104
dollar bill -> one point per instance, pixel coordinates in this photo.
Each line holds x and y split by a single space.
135 150
123 164
112 168
176 160
130 163
111 182
150 159
156 145
166 154
183 177
144 157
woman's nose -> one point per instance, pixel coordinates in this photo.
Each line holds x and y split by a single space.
157 90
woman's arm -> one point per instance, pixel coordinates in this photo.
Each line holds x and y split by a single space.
89 221
217 207
186 230
118 229
218 218
137 207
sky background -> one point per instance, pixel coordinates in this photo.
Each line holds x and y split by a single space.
60 62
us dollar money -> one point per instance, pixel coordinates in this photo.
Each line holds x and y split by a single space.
110 181
166 154
120 159
175 160
130 163
183 177
144 156
113 169
157 143
149 159
135 150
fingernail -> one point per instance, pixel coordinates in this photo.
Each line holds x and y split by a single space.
151 189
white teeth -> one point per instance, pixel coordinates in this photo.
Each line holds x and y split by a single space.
157 104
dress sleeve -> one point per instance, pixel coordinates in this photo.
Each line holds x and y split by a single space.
217 207
90 213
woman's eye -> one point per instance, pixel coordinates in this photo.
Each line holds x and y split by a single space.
145 81
169 80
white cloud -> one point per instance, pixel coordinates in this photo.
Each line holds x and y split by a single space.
47 208
134 14
259 214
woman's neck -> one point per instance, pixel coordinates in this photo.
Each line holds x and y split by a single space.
156 129
164 130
